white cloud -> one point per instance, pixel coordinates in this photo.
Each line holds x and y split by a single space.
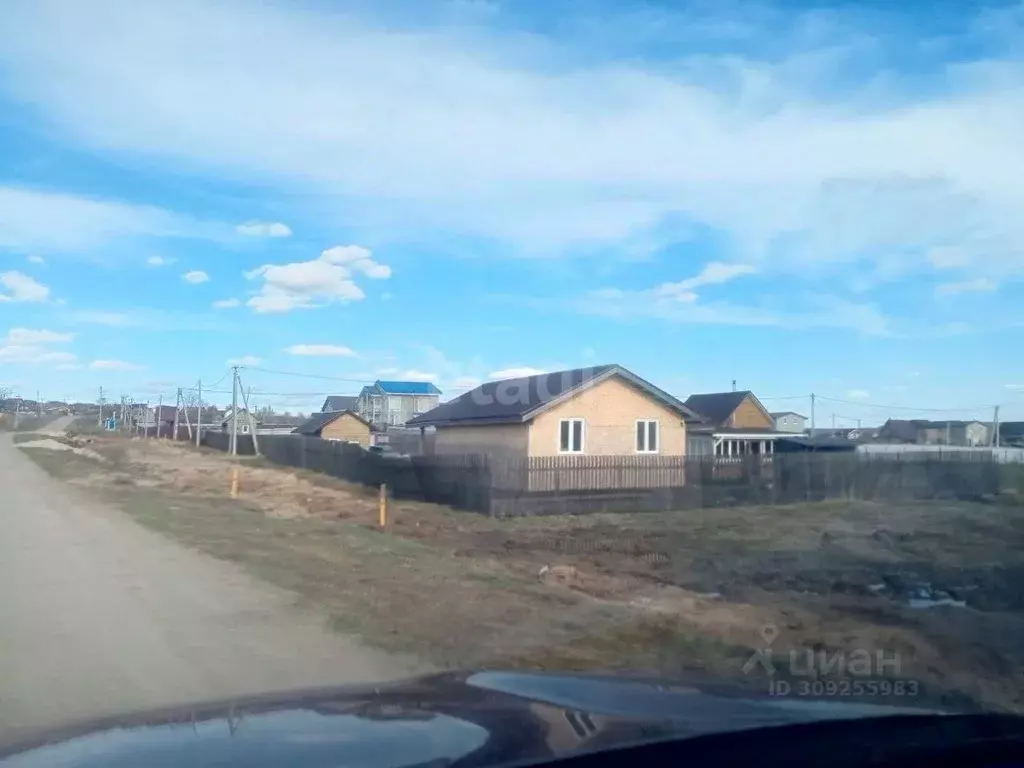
245 360
387 371
50 221
33 354
113 365
21 287
320 350
309 284
466 382
515 373
416 375
821 155
975 285
226 303
29 337
195 277
159 261
785 311
36 260
714 273
1015 387
264 229
858 394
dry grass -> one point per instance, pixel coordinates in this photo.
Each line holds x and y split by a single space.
680 594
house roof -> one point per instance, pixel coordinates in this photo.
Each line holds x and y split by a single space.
315 423
165 413
716 407
519 399
1008 429
340 403
408 388
776 414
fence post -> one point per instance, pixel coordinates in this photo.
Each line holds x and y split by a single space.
383 506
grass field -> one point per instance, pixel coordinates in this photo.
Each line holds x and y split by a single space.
686 595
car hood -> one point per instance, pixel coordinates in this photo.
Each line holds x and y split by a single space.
467 719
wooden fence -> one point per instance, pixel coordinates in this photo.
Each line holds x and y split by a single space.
507 486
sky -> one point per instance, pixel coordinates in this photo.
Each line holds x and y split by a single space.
796 197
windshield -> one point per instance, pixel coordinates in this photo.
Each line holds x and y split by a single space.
349 342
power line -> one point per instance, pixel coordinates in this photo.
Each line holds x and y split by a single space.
308 375
860 404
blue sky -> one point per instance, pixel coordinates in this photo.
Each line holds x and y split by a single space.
796 196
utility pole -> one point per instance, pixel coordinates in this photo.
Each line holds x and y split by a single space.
947 432
813 398
177 413
833 421
17 411
994 437
199 414
234 410
159 414
39 405
101 406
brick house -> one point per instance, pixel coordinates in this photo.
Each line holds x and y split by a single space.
347 426
732 424
605 410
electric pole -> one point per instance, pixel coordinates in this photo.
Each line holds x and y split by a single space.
833 421
159 414
17 411
813 398
177 413
101 406
199 414
39 405
994 438
234 410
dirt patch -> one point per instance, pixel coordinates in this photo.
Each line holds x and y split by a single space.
50 444
671 594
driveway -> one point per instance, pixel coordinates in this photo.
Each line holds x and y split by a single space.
100 616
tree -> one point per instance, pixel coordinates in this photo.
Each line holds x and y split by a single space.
264 412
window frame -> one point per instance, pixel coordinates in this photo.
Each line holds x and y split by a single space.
583 435
647 436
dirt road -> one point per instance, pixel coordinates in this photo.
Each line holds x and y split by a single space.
99 616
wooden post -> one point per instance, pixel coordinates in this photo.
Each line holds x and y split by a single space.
234 483
383 505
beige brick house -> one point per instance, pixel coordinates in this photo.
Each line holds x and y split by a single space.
346 426
606 410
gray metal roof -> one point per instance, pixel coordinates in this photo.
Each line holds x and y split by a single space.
516 400
716 407
340 403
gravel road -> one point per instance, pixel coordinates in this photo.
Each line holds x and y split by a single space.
100 616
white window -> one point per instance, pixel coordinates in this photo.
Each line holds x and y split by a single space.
647 436
245 429
570 436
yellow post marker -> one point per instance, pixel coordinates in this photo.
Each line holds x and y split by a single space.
383 505
234 483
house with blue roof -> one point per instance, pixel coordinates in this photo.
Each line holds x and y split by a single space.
393 403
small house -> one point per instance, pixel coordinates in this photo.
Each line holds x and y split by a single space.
605 410
247 422
347 426
789 421
732 424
